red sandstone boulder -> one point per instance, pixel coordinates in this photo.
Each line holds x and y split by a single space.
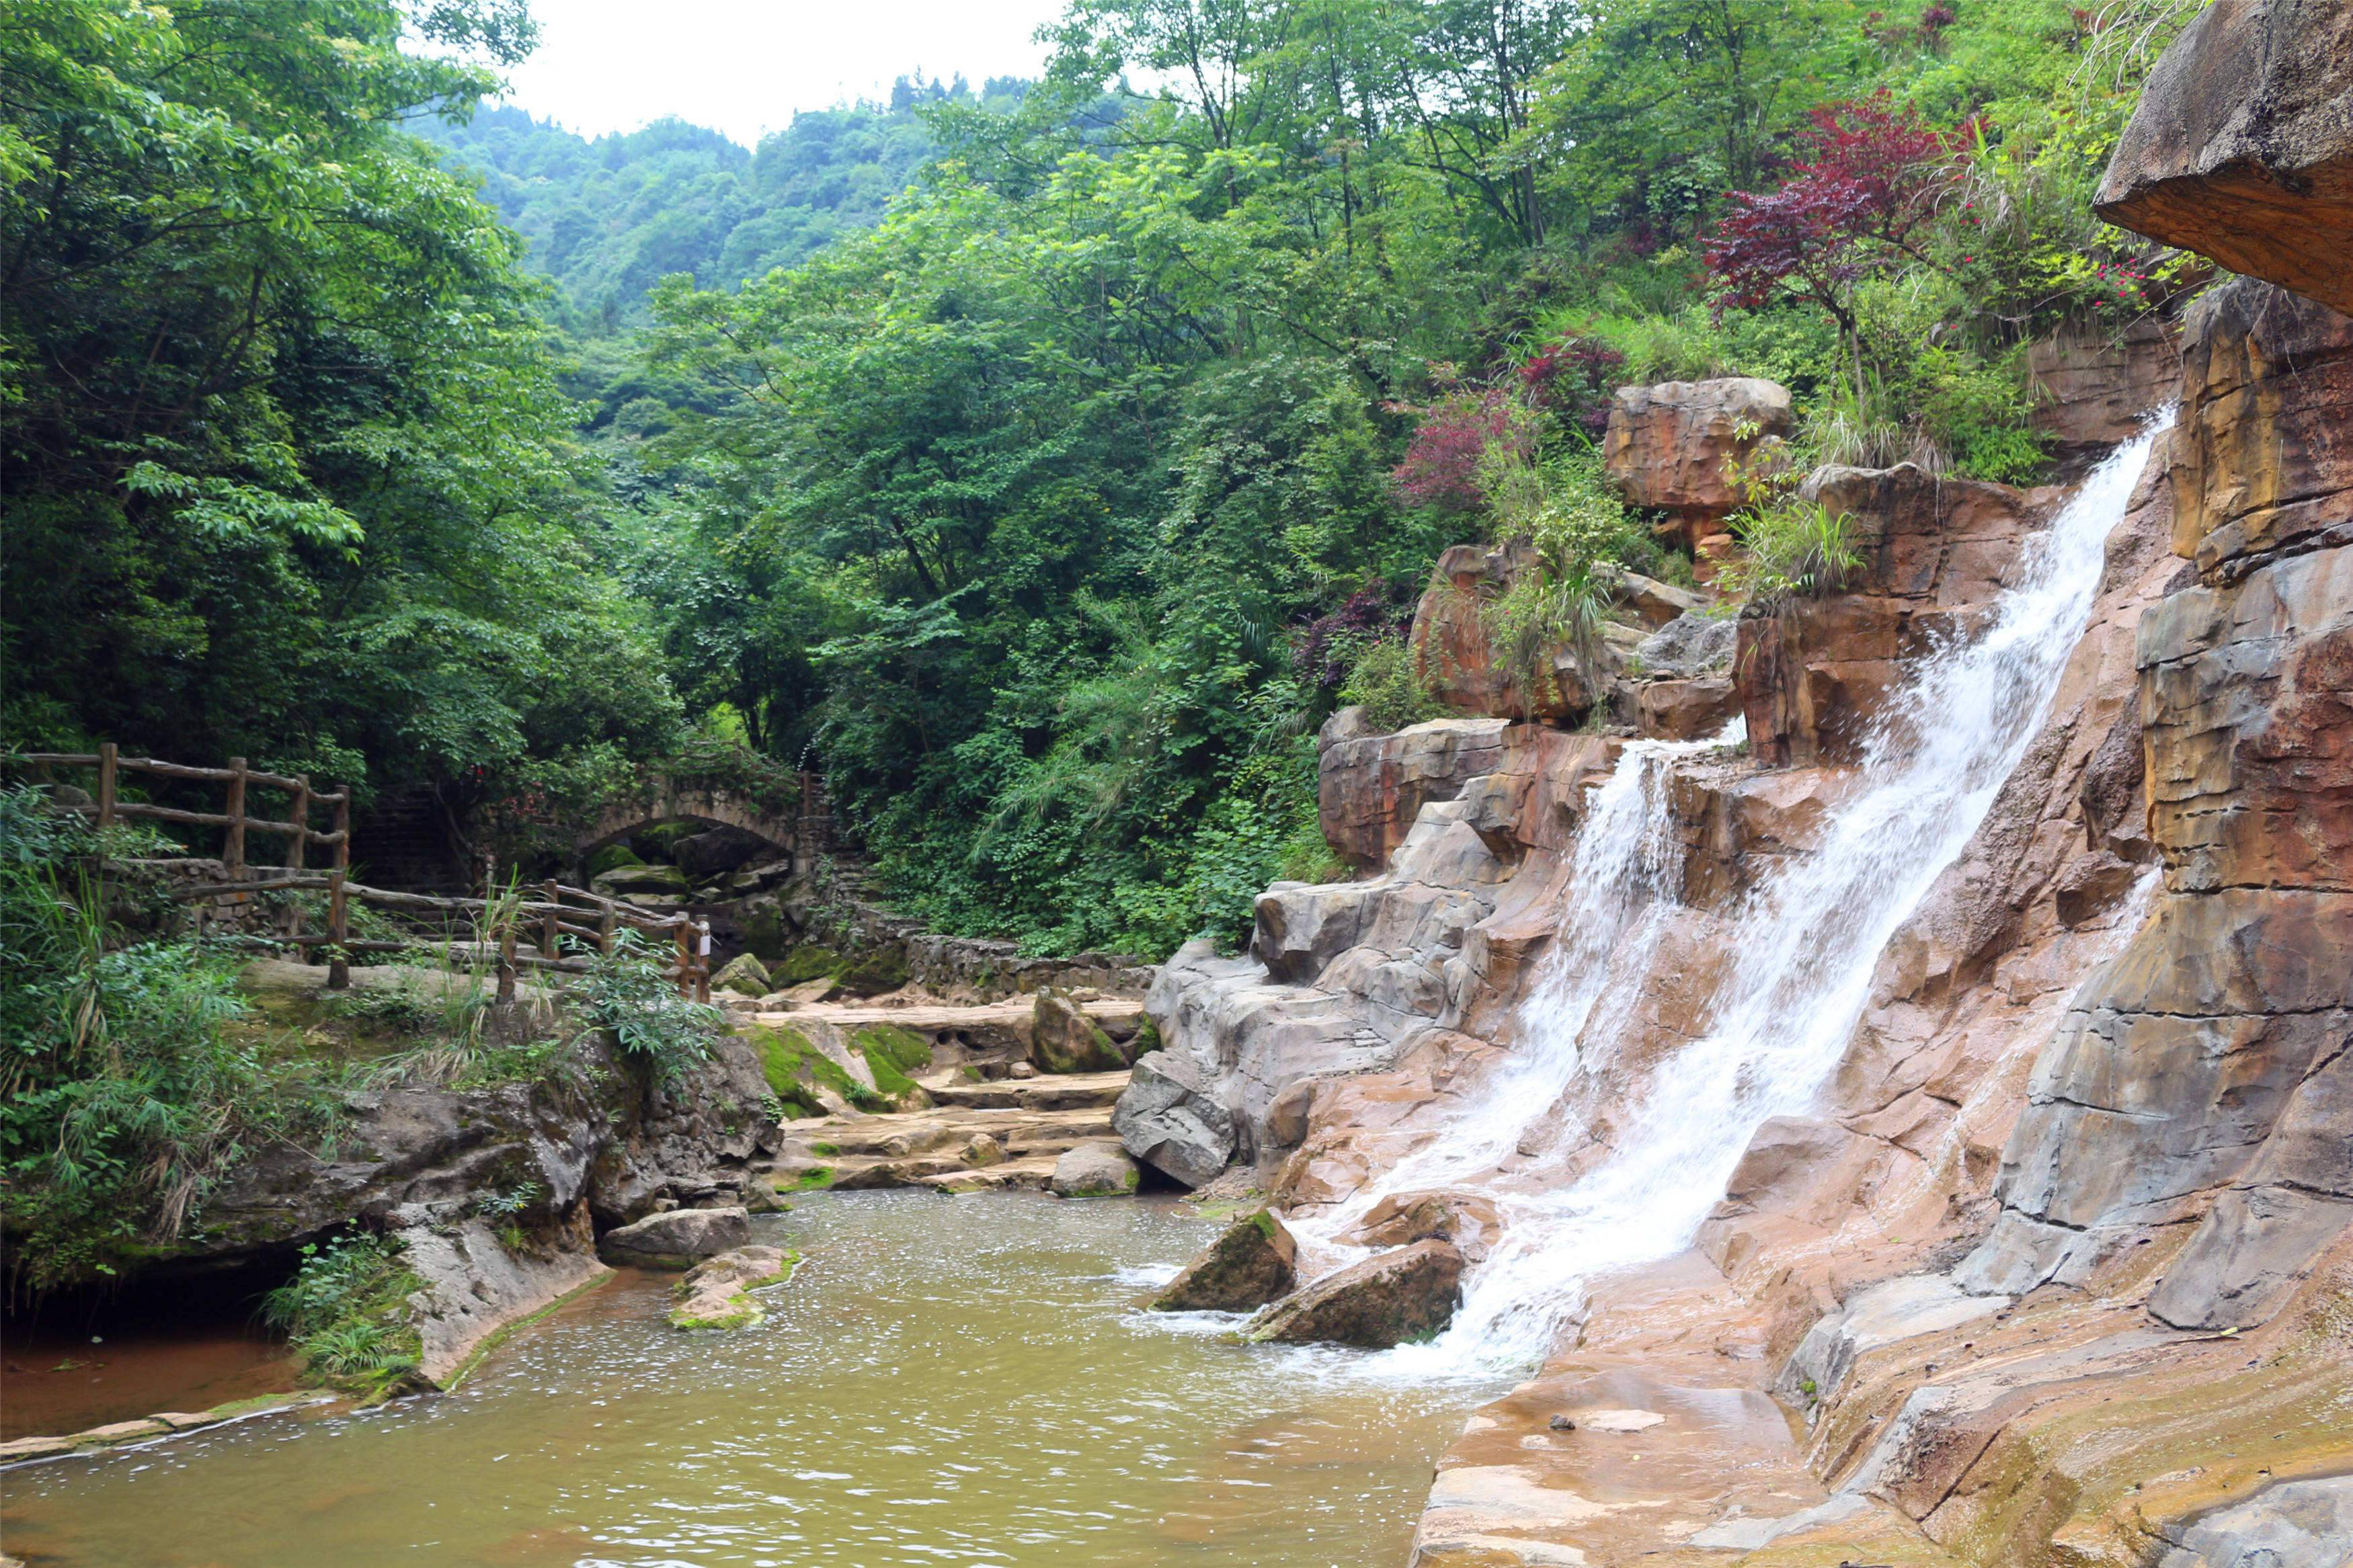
1667 446
1369 789
2241 148
1685 709
1453 648
1468 1221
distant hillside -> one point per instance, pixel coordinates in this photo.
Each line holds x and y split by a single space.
607 218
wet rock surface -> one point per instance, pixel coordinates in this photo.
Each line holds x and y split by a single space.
716 1292
1253 1263
1404 1295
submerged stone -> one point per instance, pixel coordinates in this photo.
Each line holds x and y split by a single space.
1253 1263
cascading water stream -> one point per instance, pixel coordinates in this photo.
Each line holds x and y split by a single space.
1800 949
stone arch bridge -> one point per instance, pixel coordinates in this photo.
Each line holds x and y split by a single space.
688 800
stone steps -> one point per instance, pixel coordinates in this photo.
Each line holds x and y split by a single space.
1067 1091
1032 1121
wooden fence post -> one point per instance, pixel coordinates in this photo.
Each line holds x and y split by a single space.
550 938
299 813
106 784
339 932
685 957
605 924
339 968
233 853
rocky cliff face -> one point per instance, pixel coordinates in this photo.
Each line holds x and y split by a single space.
2061 1258
588 1149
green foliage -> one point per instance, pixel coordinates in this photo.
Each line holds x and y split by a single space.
1795 549
128 1084
345 1312
607 219
1384 682
1581 534
260 501
627 995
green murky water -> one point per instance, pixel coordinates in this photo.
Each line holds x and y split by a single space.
947 1382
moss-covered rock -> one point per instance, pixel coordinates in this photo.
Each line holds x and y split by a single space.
744 974
1254 1262
803 964
1408 1294
1064 1039
613 858
873 973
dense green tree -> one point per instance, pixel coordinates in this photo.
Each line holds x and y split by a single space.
289 475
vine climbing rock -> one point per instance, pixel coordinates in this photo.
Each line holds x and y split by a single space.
1252 1264
676 1239
1404 1295
2241 149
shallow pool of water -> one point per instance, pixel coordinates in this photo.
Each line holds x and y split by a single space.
947 1381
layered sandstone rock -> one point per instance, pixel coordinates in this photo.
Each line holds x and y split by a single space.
2097 386
1813 676
1679 446
1369 788
2242 146
2200 1085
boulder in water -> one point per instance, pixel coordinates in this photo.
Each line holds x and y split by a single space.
676 1239
714 1294
1408 1294
1094 1171
1243 1270
1166 1118
1467 1220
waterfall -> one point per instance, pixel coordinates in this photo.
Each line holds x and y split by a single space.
1586 1184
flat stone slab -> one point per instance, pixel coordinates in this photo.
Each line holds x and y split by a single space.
120 1432
1616 1420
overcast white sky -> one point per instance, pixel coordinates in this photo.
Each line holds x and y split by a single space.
746 66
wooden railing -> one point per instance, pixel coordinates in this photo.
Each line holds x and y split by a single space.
595 917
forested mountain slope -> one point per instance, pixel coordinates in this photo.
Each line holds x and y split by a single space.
1048 513
608 219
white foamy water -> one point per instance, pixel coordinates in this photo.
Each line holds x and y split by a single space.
1800 951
